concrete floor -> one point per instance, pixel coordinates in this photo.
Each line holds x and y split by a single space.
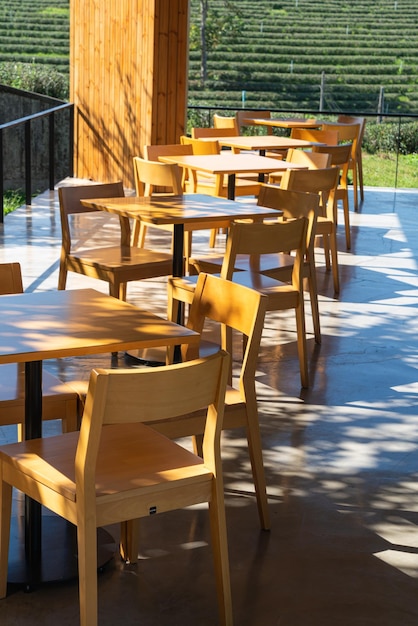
341 458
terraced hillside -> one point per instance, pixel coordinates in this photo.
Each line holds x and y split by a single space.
35 31
280 49
275 51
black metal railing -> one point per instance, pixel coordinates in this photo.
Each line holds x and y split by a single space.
205 116
26 122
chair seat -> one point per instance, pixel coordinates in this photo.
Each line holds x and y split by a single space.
59 400
124 463
113 259
212 264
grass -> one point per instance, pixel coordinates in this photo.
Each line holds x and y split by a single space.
13 200
384 171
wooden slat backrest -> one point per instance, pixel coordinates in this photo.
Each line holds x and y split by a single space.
10 278
150 174
330 137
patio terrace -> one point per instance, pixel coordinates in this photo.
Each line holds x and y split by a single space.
341 458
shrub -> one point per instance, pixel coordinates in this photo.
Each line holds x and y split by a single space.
37 78
384 137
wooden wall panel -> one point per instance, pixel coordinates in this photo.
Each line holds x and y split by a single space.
128 81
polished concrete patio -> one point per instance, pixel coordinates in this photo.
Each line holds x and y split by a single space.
341 457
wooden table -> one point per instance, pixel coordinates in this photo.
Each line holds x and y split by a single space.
178 210
265 142
290 122
45 325
229 165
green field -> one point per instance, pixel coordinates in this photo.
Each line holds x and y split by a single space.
273 51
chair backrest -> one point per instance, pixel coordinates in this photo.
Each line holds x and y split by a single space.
330 137
234 307
117 396
202 133
361 121
339 154
10 278
69 201
241 116
152 153
256 239
322 181
346 133
69 197
312 160
293 205
225 123
151 174
201 146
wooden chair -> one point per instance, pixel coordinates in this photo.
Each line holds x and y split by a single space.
59 401
256 240
151 175
329 137
223 122
209 132
292 205
114 264
118 469
358 173
306 158
349 133
236 308
217 185
340 157
323 182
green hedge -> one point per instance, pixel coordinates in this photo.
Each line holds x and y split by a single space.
41 79
384 137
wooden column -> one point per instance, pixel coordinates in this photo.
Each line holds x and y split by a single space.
128 81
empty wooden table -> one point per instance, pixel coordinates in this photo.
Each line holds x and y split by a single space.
229 165
290 122
45 325
179 210
265 142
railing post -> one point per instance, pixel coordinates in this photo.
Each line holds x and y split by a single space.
71 140
28 163
1 179
51 120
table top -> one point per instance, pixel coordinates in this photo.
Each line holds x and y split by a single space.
291 122
44 325
229 163
265 142
181 209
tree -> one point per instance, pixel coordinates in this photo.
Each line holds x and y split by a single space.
214 26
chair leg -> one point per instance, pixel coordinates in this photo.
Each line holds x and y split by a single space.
360 175
197 441
129 541
62 277
212 238
313 292
87 571
334 260
302 351
220 553
255 450
347 222
355 185
5 514
139 234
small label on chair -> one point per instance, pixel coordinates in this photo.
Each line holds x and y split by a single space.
152 510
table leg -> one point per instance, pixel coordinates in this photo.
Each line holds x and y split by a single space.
33 430
231 186
178 264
